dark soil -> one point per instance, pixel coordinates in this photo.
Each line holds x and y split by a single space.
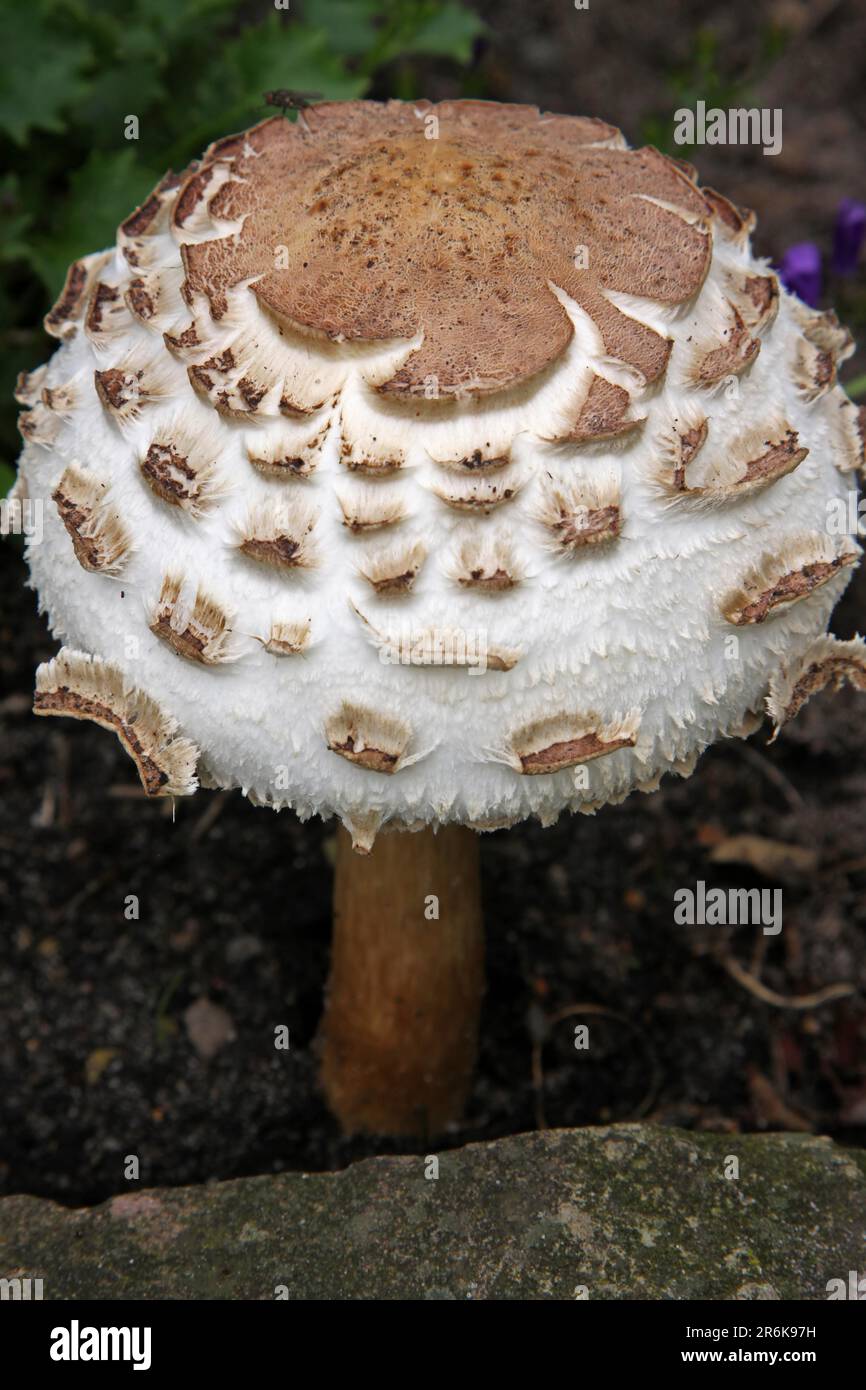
97 1062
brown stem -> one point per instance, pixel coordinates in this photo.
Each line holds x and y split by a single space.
401 1019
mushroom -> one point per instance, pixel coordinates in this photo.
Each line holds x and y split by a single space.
433 467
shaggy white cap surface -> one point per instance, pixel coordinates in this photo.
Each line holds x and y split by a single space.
428 464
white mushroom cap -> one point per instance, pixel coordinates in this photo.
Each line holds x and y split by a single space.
418 480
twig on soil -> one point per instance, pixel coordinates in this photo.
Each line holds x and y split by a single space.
15 704
827 995
759 953
771 1110
847 866
64 793
208 819
772 773
545 1025
72 904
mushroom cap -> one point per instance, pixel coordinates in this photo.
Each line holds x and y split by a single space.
430 463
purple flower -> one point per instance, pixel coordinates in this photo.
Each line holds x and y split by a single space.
848 236
800 271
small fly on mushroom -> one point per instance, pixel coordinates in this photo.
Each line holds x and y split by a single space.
325 481
285 100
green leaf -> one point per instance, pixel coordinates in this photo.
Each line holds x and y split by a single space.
101 194
349 24
125 89
296 56
42 72
17 220
169 18
230 94
7 478
449 33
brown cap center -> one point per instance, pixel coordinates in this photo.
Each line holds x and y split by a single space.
370 223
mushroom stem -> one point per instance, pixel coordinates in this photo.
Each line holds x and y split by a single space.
400 1031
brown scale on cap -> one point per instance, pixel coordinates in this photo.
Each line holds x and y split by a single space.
187 340
737 352
141 298
822 327
356 460
479 461
371 511
38 425
559 742
580 514
486 565
368 739
759 302
295 409
755 297
195 187
737 222
124 390
746 464
79 686
487 581
283 464
814 370
28 386
62 319
454 238
106 312
602 415
393 572
149 219
480 495
288 638
600 524
98 536
778 460
115 388
786 579
569 753
199 631
826 344
278 534
684 442
370 467
172 476
228 386
827 662
850 434
61 399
